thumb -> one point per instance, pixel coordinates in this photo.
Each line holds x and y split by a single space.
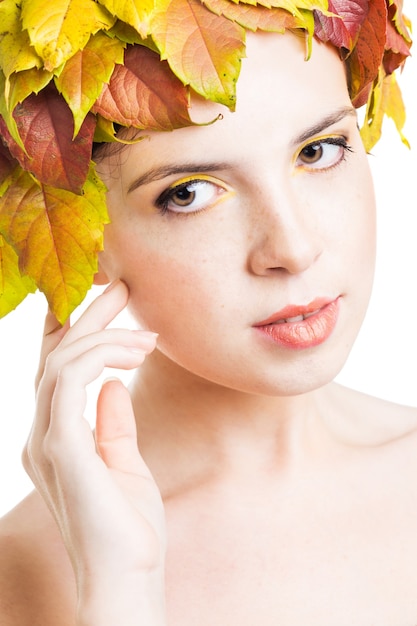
116 435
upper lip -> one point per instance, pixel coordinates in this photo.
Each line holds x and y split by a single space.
295 311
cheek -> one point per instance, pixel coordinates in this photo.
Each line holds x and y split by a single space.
173 283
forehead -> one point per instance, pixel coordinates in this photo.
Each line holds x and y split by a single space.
279 95
276 72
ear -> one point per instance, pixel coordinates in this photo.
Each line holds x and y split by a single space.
101 278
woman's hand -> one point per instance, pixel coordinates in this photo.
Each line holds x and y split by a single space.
99 490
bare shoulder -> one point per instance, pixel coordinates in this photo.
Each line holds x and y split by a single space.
36 582
375 421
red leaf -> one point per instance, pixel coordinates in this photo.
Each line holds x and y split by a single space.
46 126
366 58
144 93
397 46
341 31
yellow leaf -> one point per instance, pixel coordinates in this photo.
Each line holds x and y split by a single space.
16 53
57 235
136 13
386 99
5 112
203 49
13 286
58 29
21 85
82 79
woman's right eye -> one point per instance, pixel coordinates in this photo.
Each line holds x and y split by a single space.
190 196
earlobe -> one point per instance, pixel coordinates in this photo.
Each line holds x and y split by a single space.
101 278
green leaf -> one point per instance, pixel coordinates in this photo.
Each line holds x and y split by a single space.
58 29
13 286
84 75
57 236
203 49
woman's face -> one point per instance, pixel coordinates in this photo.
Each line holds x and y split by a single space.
248 244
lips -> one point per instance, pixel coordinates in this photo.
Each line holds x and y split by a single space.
301 327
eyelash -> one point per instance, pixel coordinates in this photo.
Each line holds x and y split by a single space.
332 141
162 202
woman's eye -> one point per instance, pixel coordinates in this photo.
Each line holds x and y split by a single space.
323 154
190 196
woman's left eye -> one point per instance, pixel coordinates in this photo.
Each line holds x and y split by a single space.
189 196
323 154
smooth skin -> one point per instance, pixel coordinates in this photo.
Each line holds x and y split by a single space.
263 493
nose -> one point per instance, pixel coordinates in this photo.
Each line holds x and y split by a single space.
285 233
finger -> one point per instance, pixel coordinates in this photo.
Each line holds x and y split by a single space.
69 397
100 312
134 339
53 334
116 435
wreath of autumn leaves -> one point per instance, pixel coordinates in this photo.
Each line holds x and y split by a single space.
72 69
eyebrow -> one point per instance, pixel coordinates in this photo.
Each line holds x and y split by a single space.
158 173
324 123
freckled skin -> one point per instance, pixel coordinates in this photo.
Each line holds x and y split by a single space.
288 499
286 235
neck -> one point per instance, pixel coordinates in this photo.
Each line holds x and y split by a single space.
203 429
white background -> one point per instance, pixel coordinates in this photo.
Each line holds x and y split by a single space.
383 361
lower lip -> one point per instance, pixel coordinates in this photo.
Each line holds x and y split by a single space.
308 333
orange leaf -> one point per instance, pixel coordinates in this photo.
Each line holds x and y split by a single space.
45 125
57 235
204 50
82 79
254 17
144 93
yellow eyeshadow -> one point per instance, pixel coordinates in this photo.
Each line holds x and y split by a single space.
198 177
